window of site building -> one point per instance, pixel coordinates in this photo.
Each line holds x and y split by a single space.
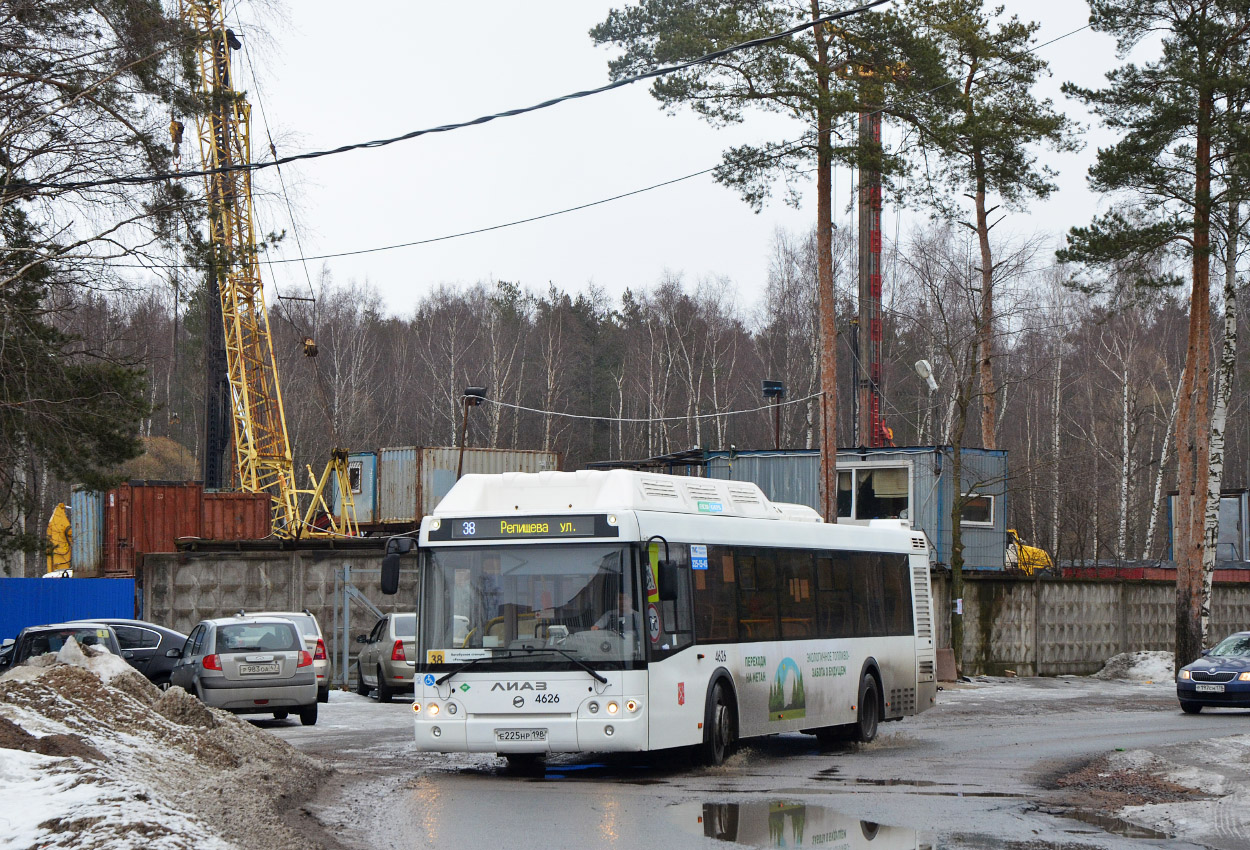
978 510
874 493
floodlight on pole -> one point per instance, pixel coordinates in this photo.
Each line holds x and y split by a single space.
925 371
775 391
473 396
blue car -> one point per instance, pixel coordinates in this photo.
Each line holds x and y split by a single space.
1219 679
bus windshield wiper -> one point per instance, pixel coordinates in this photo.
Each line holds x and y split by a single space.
571 657
466 665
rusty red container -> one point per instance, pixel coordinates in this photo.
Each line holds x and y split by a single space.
237 516
148 516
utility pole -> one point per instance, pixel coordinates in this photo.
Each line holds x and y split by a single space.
869 429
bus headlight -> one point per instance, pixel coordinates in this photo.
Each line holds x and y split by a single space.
613 708
432 710
593 707
452 708
416 708
632 705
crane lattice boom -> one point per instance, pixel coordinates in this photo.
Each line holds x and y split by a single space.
262 449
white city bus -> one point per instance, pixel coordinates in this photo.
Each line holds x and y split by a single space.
626 611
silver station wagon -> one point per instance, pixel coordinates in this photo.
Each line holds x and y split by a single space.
249 665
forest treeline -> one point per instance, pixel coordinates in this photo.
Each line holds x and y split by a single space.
1086 387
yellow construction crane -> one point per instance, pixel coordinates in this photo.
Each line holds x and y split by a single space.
262 448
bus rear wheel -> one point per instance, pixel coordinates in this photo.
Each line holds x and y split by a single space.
719 734
869 713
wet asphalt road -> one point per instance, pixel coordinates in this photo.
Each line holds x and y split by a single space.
977 771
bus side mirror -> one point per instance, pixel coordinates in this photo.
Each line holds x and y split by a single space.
390 574
395 547
668 581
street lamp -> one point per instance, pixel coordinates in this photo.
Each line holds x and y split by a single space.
775 391
473 396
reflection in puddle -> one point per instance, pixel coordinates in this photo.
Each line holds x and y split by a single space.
782 824
1116 826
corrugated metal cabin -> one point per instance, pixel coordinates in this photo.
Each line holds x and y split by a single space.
912 483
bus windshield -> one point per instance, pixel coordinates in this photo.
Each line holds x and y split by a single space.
540 603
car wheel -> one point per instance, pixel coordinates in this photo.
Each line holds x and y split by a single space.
308 715
162 683
362 687
385 691
1190 707
718 731
869 710
323 694
281 714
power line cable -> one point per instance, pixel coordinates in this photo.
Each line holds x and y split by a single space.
649 419
579 207
140 179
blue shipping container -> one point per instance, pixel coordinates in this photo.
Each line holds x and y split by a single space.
35 601
86 521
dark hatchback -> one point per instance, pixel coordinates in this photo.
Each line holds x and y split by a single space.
40 640
1219 679
146 645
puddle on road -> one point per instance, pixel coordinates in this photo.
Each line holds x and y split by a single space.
788 824
1116 826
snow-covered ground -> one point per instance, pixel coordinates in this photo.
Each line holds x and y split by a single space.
93 756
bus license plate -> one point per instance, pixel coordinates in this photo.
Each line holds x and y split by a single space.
255 669
1210 689
520 734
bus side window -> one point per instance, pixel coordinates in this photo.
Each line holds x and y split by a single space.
676 616
757 611
896 575
798 603
835 600
716 597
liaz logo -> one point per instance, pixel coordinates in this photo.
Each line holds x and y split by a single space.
519 686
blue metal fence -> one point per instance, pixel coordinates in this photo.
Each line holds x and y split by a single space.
34 601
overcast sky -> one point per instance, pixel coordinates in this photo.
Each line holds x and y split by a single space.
337 73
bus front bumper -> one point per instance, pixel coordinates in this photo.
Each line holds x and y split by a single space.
532 733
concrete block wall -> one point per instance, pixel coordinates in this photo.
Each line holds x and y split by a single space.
178 590
1050 628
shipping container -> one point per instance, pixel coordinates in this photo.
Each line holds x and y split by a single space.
912 483
86 522
236 516
362 478
412 480
149 516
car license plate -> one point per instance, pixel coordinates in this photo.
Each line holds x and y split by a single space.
254 669
1210 689
520 734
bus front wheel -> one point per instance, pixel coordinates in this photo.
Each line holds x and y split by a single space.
718 731
869 712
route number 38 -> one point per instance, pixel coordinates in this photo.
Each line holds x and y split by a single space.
468 528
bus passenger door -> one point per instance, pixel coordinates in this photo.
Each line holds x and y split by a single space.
675 693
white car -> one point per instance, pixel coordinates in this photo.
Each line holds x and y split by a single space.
314 641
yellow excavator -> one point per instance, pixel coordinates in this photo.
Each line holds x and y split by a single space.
1026 559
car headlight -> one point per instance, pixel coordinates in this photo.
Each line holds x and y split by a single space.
1244 677
1184 674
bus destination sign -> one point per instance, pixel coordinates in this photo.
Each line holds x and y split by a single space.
524 527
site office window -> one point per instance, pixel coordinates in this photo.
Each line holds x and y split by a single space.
875 492
978 510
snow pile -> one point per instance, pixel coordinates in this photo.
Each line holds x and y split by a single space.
1221 820
1139 667
92 755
